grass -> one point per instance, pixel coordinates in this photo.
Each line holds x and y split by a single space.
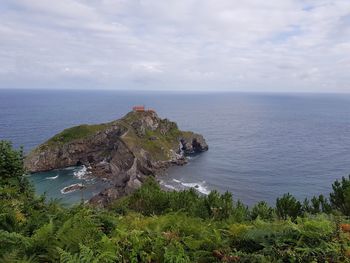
73 133
77 132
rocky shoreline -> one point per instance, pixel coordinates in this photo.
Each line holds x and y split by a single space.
124 152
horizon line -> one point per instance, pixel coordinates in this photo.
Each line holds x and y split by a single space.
179 91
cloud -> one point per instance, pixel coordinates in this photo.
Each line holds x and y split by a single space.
290 45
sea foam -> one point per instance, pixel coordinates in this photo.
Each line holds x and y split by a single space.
179 185
80 174
200 187
52 178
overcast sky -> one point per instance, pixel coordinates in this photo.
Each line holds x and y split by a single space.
250 45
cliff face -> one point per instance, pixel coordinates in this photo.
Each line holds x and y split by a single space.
125 151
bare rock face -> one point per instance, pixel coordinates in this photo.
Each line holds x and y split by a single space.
124 152
93 149
194 144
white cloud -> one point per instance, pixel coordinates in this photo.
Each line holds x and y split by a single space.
290 45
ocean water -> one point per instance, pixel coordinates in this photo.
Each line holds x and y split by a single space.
260 145
53 184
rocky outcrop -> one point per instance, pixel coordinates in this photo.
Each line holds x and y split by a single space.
124 151
87 150
72 188
193 144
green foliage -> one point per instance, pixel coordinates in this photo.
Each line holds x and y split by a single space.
219 206
288 206
263 211
151 200
340 197
175 253
11 162
12 182
77 132
152 225
317 205
85 255
81 227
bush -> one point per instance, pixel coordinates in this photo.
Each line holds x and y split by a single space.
263 211
11 162
288 206
340 197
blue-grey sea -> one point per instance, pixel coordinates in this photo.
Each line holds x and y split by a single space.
261 145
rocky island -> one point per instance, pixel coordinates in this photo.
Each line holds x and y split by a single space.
124 152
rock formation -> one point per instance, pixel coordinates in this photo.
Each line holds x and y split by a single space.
124 151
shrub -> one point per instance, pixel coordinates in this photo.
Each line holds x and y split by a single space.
340 197
288 206
263 211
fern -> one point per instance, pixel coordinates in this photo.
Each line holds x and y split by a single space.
85 255
66 257
80 228
15 258
13 240
174 253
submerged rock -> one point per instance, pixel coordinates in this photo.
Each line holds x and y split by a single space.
124 151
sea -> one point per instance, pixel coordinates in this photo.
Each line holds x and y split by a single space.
261 145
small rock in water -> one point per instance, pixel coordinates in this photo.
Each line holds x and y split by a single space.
72 188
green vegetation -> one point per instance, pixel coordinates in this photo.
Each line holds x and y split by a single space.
71 134
152 225
77 132
157 142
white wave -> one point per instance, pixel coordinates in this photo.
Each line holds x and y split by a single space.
65 191
170 186
70 168
200 187
192 157
181 149
80 174
161 182
52 178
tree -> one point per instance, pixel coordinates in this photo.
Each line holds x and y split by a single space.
11 161
12 181
318 204
262 210
340 197
219 206
288 206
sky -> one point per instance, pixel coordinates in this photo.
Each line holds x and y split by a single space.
181 45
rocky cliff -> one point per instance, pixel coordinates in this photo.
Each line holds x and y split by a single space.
124 151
